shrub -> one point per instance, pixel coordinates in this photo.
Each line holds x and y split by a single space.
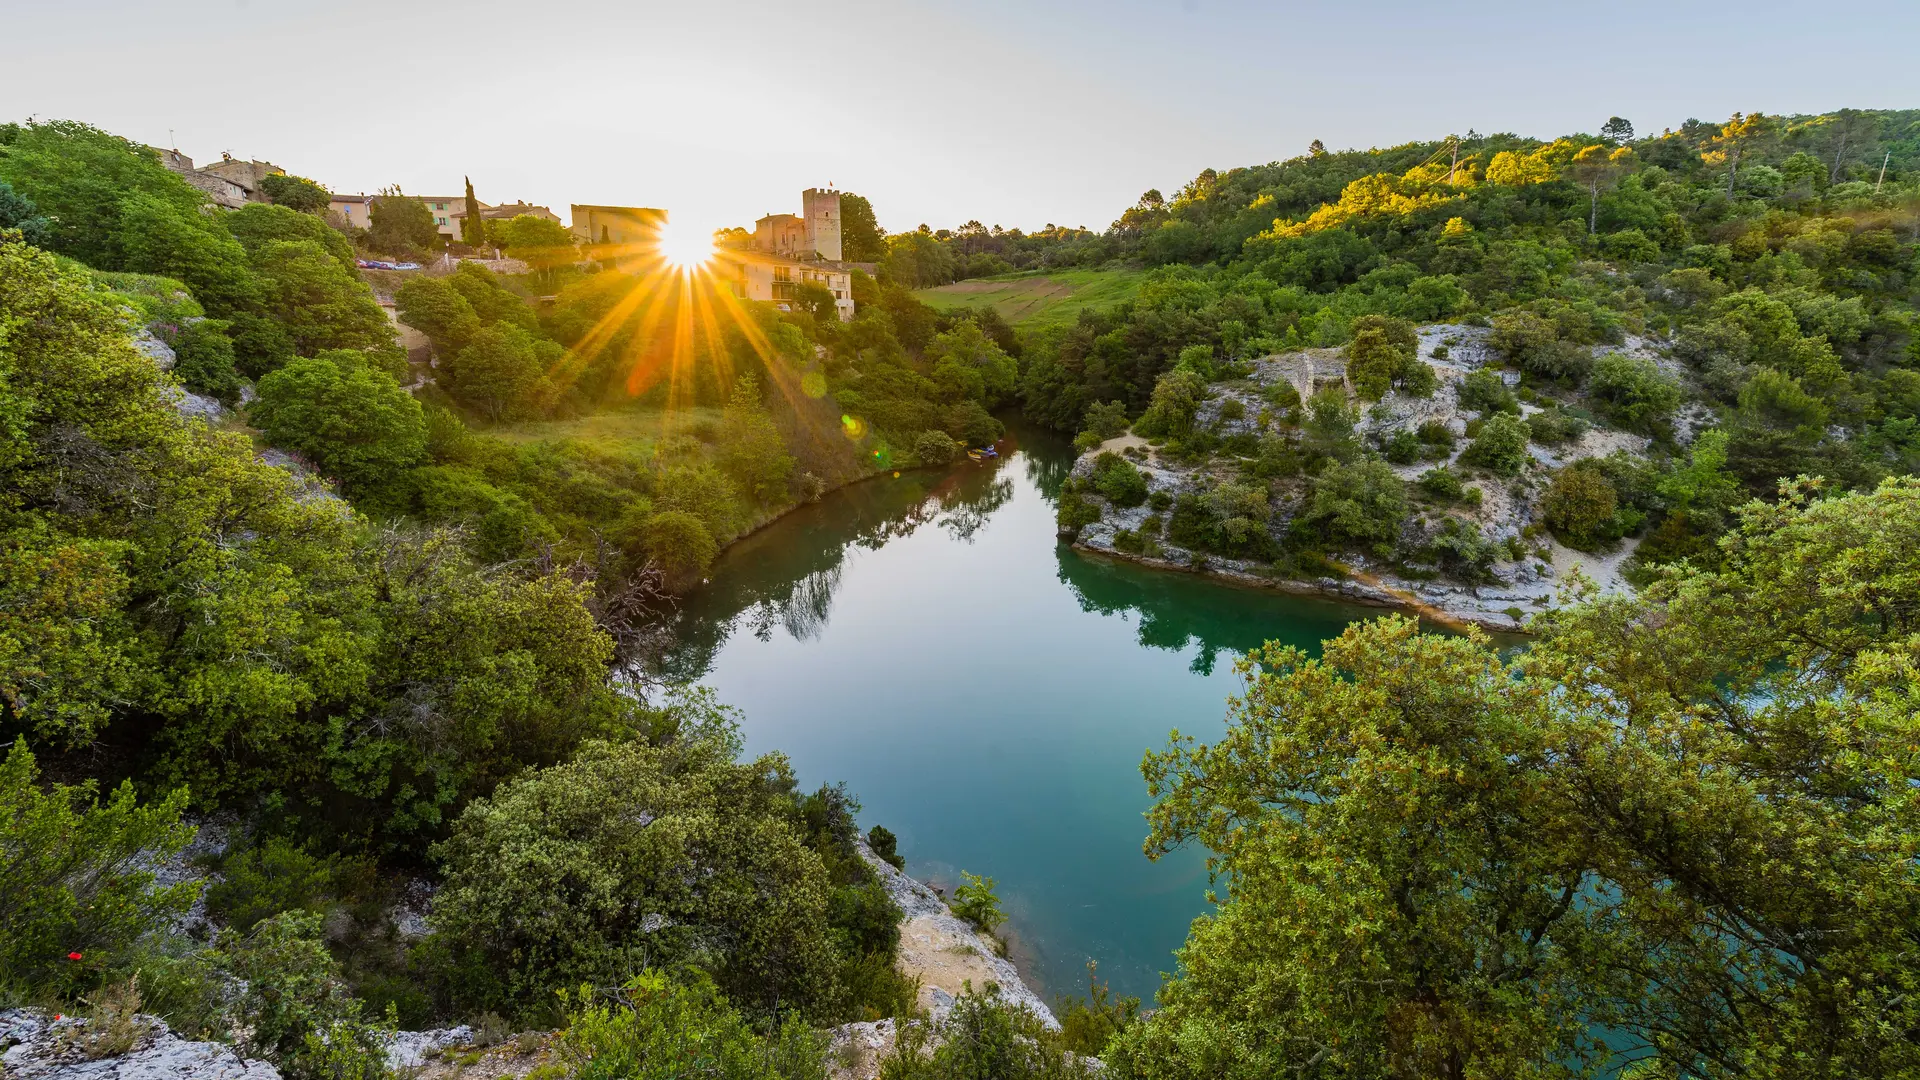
934 447
983 1038
349 418
1461 549
1176 398
263 881
1384 354
1360 503
974 901
1281 395
293 1006
1443 484
204 361
1402 448
1107 419
1555 427
1088 1024
1501 445
1437 437
1633 393
1580 506
1486 393
1075 511
573 873
886 845
75 896
1115 478
679 544
655 1029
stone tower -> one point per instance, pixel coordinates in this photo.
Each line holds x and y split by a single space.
821 209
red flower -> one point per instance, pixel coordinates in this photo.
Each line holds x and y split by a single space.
73 956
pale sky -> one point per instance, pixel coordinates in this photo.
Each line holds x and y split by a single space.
1014 113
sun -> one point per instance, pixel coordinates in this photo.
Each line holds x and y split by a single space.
685 246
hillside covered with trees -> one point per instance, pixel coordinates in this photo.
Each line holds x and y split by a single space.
381 619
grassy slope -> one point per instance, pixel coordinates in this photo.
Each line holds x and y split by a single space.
1038 300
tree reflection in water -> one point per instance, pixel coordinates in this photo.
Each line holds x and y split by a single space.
786 574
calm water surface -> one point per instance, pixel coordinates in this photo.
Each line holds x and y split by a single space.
988 693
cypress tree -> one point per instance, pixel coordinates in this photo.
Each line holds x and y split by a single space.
473 230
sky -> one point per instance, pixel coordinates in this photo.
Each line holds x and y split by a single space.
1017 113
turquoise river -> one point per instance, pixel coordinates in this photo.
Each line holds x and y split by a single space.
988 693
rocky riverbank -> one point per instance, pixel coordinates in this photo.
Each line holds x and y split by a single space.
1530 566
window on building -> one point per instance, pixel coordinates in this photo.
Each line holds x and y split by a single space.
440 206
441 220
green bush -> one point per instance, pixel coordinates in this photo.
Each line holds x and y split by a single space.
1363 503
1106 419
1074 511
1555 427
348 417
934 447
1501 445
1115 478
259 882
1443 484
1581 506
974 901
886 845
983 1038
1088 1024
75 897
577 872
1633 393
653 1028
294 1008
1484 392
204 361
1402 448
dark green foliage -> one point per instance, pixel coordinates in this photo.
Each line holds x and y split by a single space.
295 193
433 307
1383 355
256 225
1501 446
886 846
1485 393
1074 510
294 1008
1361 504
262 881
345 415
861 239
1633 393
502 372
1115 478
1230 519
1555 426
1581 506
1463 551
1403 447
401 225
1444 484
72 880
203 360
595 846
654 1028
18 212
983 1039
321 304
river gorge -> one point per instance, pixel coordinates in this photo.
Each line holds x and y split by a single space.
987 692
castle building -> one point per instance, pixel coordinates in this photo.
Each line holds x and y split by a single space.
813 235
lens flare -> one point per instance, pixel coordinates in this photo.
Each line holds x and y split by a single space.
685 245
